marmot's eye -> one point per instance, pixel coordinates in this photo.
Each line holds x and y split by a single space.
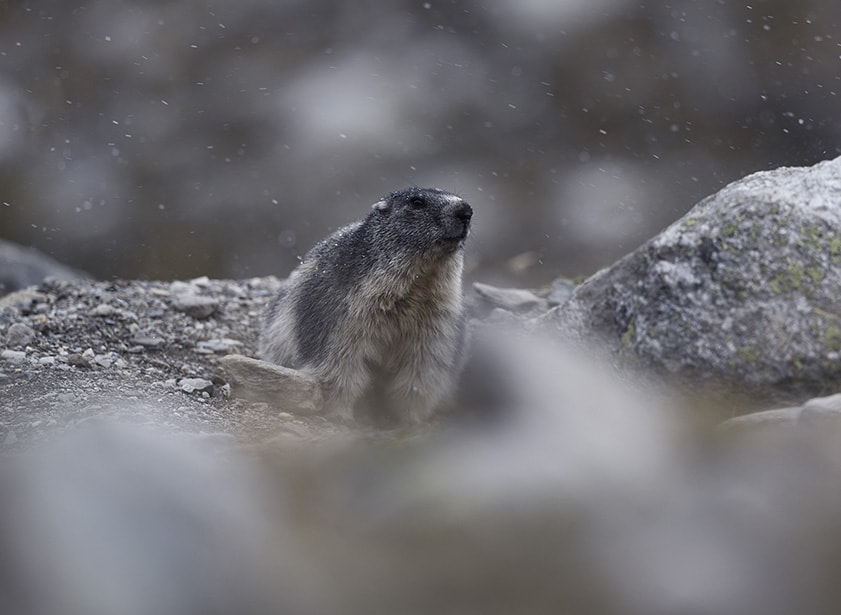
417 202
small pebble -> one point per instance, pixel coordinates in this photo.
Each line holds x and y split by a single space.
195 306
224 345
148 341
78 360
181 288
195 385
103 309
104 360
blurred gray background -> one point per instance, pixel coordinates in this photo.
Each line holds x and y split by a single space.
175 139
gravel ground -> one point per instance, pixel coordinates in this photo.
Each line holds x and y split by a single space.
72 352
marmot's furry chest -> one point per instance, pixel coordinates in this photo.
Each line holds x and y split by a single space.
401 316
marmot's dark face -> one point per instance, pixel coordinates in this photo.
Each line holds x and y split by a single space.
425 218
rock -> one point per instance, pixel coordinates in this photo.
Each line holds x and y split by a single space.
779 417
21 267
196 385
260 381
513 300
151 342
223 345
196 306
560 292
179 287
743 290
19 335
824 415
78 360
105 360
13 356
103 309
109 508
824 405
820 412
20 298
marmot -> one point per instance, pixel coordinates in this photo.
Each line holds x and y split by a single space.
375 311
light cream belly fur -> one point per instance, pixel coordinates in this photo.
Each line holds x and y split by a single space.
411 333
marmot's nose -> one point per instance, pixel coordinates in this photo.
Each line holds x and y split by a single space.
463 212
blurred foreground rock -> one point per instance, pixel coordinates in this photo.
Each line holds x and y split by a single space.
744 290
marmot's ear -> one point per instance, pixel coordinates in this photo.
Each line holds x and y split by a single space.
381 206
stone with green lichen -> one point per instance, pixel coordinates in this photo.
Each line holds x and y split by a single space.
745 289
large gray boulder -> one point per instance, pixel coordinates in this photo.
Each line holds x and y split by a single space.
745 289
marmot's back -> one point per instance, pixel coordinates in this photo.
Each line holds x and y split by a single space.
375 310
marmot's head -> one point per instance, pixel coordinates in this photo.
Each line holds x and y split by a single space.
423 219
